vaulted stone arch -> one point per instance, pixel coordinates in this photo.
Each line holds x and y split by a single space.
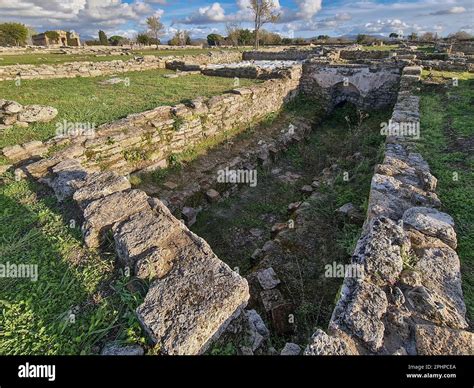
365 85
345 92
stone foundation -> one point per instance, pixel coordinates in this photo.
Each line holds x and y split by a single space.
149 139
409 300
283 55
193 295
94 69
367 86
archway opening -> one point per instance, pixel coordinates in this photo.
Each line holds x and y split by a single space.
343 92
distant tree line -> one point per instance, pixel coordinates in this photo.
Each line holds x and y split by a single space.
17 34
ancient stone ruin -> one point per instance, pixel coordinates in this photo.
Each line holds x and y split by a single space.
56 38
194 297
13 113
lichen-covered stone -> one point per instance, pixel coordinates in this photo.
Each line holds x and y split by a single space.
432 223
112 349
194 302
322 344
366 305
431 306
104 212
145 231
441 341
267 278
440 270
381 250
68 176
291 349
37 113
99 185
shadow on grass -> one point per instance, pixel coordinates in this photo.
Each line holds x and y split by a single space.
78 301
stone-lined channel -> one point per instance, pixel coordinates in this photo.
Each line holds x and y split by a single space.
295 220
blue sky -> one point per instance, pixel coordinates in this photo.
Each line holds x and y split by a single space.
299 18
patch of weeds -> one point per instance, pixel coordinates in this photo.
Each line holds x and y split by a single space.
348 237
35 317
177 123
175 161
135 155
110 141
228 349
409 260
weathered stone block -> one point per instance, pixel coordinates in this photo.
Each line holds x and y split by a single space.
322 344
194 302
380 251
104 212
367 304
267 278
98 185
37 113
441 341
143 232
432 223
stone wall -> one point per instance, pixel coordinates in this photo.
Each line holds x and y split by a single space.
94 69
13 113
409 299
363 54
461 64
148 139
192 295
368 86
284 55
279 70
466 47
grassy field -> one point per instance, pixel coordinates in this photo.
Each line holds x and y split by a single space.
386 47
37 58
86 100
36 316
447 142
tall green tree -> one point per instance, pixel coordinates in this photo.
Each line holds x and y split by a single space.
103 38
13 34
116 40
143 38
361 38
214 39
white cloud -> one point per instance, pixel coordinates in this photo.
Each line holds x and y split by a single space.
214 12
450 11
308 8
84 16
369 16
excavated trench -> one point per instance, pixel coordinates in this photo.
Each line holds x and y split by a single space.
292 220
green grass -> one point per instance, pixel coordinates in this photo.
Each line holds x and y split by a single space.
227 224
447 139
37 58
34 315
85 100
426 49
387 47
